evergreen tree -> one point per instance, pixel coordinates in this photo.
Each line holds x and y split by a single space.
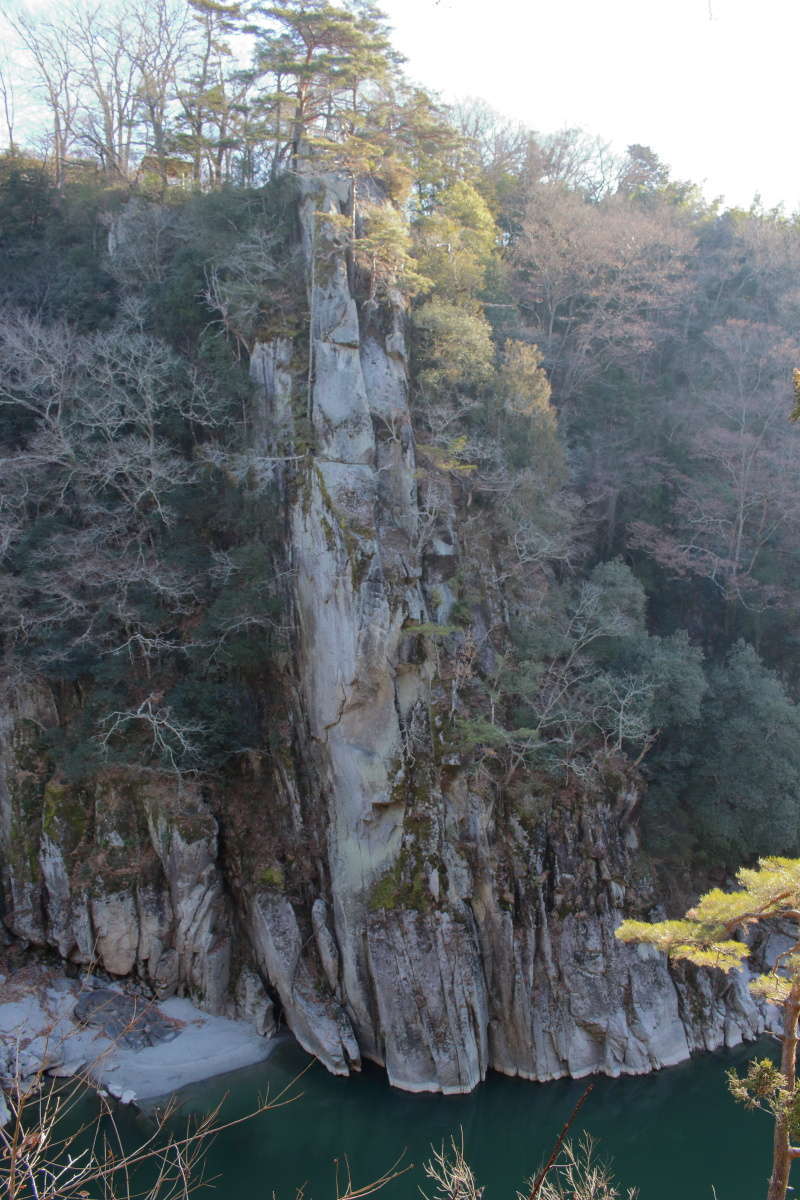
318 62
455 242
706 937
742 787
213 97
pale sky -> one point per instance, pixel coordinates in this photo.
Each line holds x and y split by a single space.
711 85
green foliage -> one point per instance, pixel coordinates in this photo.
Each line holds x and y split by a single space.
528 423
385 892
525 387
447 457
382 251
225 258
722 782
772 988
137 553
718 908
663 935
592 682
741 787
703 936
675 669
402 886
116 567
456 241
241 623
477 732
273 877
768 892
794 415
763 1086
724 956
320 56
224 714
599 391
620 598
453 351
51 260
431 629
775 881
27 201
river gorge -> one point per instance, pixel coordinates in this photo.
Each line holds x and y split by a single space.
398 632
673 1133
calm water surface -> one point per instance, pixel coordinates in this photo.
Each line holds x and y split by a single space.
674 1134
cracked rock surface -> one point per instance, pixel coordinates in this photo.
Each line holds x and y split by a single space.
357 877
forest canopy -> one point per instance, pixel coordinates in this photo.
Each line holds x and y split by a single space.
601 376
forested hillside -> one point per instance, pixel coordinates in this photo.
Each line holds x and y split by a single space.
553 504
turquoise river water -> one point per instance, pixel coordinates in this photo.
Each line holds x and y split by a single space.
676 1134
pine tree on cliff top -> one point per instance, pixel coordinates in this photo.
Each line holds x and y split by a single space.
324 65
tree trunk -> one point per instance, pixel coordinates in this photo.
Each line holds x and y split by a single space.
781 1149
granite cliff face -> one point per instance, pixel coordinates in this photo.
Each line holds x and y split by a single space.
393 904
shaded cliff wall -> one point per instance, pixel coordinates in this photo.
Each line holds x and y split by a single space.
398 906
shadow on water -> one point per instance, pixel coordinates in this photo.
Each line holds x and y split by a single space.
673 1134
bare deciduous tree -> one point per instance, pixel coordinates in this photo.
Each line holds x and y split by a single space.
739 501
93 473
8 102
160 53
597 282
58 79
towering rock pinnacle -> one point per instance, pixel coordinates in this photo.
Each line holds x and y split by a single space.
415 914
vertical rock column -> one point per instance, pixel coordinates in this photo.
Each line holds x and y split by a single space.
350 614
408 981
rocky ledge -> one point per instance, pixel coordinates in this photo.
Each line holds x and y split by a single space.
119 1042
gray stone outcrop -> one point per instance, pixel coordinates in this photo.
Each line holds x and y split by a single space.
359 879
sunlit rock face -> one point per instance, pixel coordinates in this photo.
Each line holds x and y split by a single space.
407 910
